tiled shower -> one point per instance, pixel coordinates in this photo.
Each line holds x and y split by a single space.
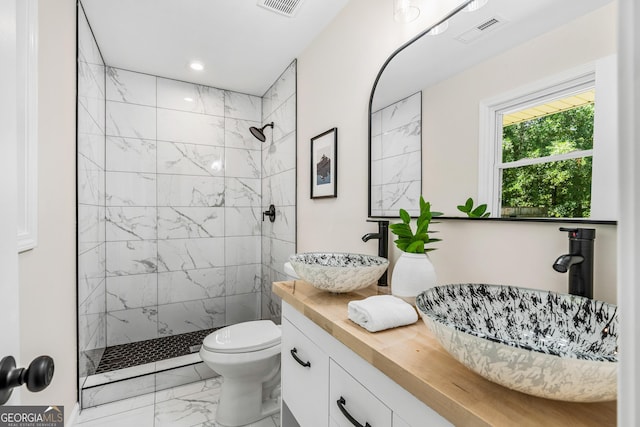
171 190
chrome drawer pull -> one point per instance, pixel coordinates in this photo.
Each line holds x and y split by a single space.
295 356
341 402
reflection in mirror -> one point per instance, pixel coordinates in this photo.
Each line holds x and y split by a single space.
497 65
396 134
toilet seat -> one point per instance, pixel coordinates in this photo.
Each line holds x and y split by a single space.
243 337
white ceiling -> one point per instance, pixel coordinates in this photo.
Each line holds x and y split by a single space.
243 47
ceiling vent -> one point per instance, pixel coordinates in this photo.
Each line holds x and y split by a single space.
480 30
283 7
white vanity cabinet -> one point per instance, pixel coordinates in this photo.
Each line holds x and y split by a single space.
305 376
350 403
312 392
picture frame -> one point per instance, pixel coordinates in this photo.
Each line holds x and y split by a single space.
324 164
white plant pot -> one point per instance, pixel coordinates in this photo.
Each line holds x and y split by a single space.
412 274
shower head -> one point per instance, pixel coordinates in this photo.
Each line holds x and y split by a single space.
259 133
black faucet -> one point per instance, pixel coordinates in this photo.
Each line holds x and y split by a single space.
383 243
579 261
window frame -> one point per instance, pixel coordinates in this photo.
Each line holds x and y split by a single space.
490 163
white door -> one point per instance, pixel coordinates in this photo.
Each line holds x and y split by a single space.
9 299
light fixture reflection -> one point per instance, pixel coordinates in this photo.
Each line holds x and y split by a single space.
475 5
216 165
439 29
197 66
405 11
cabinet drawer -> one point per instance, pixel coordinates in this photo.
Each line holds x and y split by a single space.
358 402
304 388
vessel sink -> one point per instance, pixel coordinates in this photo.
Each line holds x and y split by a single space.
338 272
542 343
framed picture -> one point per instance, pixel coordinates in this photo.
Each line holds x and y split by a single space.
324 164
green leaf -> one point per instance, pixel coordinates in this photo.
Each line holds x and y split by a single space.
479 211
402 244
424 206
402 230
422 228
468 204
404 215
416 247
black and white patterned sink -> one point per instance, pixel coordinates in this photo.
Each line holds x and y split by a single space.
338 272
541 343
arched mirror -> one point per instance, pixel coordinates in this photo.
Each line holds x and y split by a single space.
513 106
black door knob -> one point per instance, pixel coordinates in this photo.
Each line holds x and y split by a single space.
37 376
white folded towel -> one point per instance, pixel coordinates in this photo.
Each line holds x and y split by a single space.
381 312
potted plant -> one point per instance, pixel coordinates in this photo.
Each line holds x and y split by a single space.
414 272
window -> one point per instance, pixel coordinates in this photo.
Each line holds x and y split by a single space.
546 158
548 150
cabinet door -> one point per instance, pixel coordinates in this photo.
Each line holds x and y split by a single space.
399 422
351 404
305 377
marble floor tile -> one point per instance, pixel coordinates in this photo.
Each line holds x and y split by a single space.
188 405
140 417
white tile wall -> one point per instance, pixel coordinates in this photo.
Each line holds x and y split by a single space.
176 95
132 291
190 254
131 155
396 156
91 197
131 120
181 126
190 159
130 87
190 222
190 316
278 185
188 190
188 285
170 195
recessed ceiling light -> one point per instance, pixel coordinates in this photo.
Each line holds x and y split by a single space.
188 99
197 66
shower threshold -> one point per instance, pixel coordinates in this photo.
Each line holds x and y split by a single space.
142 367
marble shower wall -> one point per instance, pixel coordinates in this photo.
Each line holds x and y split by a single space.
91 199
278 186
183 200
396 159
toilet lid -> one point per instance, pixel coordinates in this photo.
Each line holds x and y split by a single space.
243 337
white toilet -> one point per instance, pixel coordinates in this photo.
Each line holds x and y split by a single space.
247 356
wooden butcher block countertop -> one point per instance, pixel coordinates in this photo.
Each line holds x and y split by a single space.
413 358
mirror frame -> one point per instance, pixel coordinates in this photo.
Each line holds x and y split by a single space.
423 33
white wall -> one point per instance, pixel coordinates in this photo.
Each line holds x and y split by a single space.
48 272
335 76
